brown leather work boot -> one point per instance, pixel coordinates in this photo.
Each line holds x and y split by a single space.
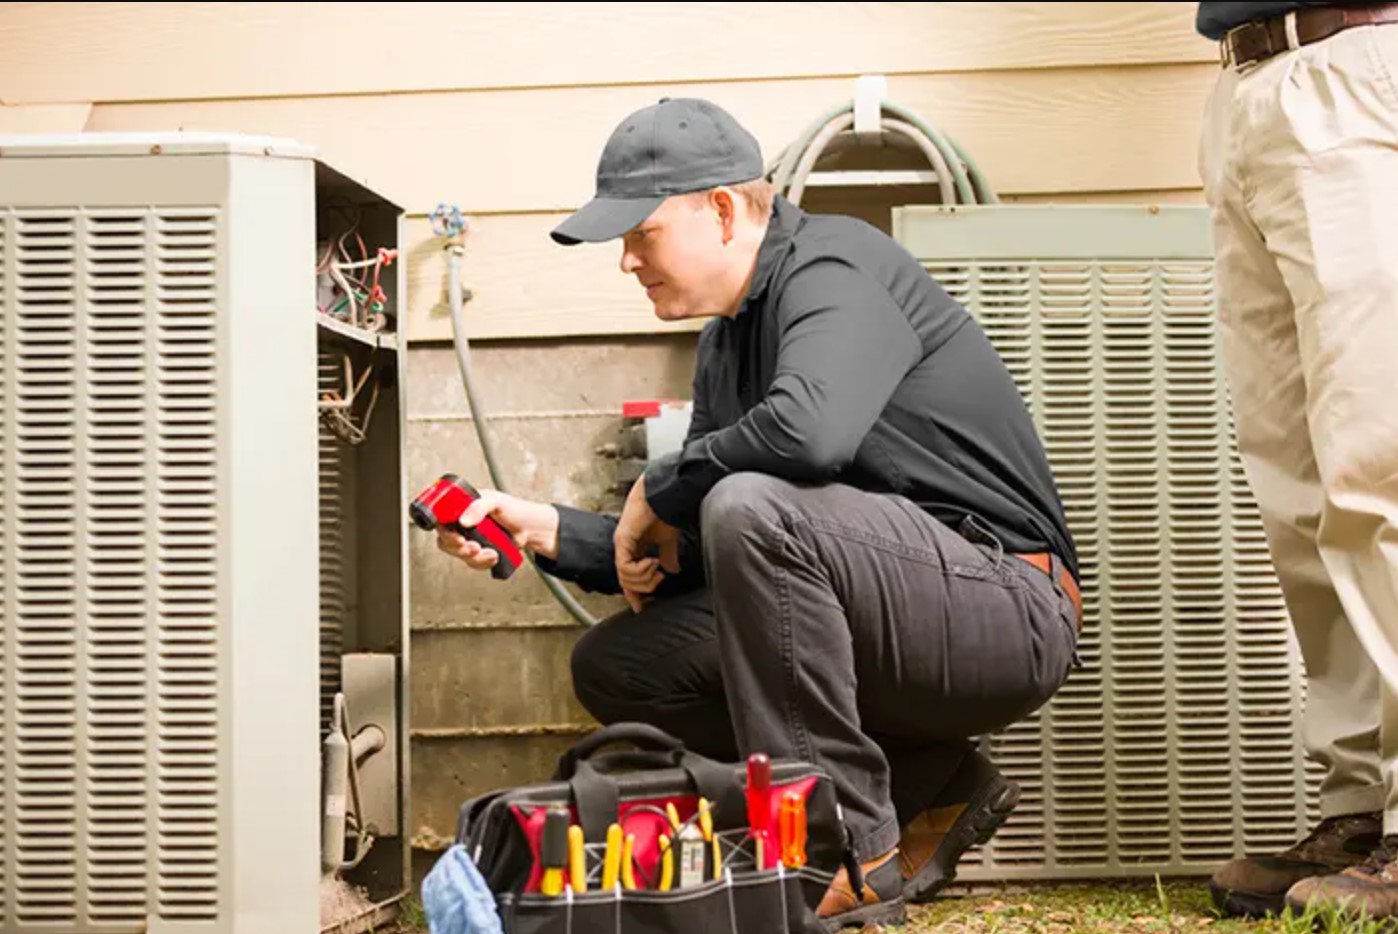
1255 886
1365 890
976 801
882 901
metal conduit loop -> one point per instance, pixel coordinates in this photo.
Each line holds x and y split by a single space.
959 179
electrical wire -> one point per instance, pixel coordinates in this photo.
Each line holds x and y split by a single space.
355 297
337 408
358 280
364 837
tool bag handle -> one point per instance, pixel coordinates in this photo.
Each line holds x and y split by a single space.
642 735
595 792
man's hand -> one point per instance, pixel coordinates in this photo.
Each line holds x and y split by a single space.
532 525
638 531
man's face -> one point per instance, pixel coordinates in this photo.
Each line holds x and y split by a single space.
678 256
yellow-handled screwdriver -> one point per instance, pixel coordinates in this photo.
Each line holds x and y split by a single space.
611 862
577 859
706 825
667 864
628 870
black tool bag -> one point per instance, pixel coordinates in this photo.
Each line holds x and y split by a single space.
502 832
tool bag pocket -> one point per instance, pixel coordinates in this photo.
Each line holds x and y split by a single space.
644 790
775 900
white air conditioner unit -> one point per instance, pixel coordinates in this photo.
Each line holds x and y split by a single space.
1176 747
197 551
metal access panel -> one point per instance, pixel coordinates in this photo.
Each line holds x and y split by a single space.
160 527
1176 746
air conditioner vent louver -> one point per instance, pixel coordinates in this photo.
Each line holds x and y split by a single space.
111 693
187 526
1184 718
117 499
47 603
333 559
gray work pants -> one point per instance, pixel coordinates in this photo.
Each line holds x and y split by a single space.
844 628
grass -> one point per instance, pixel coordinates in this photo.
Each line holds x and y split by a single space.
1149 907
410 916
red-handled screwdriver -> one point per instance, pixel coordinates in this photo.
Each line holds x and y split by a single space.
759 794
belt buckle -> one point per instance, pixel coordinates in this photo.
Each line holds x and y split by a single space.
1228 45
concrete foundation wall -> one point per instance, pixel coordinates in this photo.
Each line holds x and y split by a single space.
492 696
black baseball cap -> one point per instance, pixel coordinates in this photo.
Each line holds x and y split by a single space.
673 147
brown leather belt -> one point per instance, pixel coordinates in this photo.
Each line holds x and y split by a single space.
1261 39
1044 562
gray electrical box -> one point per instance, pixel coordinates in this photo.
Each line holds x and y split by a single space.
195 528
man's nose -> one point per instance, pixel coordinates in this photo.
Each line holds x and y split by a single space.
630 262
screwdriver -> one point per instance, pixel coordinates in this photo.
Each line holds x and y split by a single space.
577 859
628 870
611 861
792 828
553 851
759 795
706 824
667 864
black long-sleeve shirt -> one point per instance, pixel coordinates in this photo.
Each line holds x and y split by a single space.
846 363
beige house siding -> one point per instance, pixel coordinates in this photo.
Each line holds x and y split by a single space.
501 109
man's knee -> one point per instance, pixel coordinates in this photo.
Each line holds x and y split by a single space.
738 502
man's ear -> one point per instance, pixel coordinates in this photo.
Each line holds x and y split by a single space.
725 205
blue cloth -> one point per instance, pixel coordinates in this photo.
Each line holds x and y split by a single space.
456 899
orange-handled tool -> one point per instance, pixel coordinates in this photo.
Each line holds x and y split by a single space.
792 827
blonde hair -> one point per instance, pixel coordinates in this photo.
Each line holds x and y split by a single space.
756 194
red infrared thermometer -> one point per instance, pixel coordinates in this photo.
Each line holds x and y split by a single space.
442 505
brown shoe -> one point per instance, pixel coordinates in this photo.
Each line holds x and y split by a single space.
1366 890
1255 886
976 801
882 901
